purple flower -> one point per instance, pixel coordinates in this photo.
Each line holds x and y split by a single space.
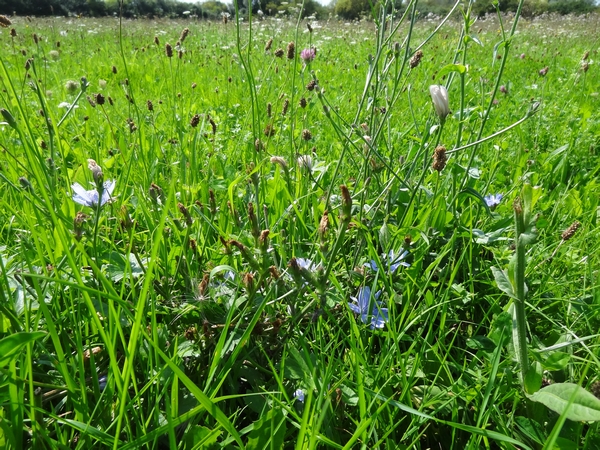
308 54
90 198
393 261
493 200
378 316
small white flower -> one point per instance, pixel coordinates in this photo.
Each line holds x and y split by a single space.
439 96
66 105
90 198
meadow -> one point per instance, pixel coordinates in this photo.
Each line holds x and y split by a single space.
212 236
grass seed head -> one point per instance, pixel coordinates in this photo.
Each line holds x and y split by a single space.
279 52
416 59
291 50
268 45
184 34
5 22
570 232
169 50
439 158
195 121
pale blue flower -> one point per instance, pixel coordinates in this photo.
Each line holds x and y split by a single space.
305 263
391 260
493 200
90 198
378 316
299 395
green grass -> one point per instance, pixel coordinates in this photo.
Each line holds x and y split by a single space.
180 315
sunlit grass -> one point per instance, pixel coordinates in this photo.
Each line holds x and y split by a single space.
280 263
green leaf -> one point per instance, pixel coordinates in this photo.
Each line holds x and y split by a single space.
10 346
384 235
533 378
532 429
201 437
268 432
481 343
571 400
474 38
502 329
556 361
451 68
503 282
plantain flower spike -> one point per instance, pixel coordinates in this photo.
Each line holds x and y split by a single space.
439 96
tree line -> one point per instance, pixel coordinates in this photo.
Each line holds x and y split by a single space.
213 9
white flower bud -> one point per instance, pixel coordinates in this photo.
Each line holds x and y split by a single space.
439 96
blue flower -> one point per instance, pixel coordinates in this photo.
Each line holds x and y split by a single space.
305 263
393 261
299 395
90 198
493 200
378 316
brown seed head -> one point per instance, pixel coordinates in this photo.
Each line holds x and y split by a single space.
324 224
268 45
258 145
5 22
100 99
13 32
416 59
184 34
346 202
36 39
195 120
280 162
570 232
269 109
269 130
286 105
186 214
169 50
213 126
291 50
439 158
279 52
114 69
156 40
306 135
149 105
311 85
302 102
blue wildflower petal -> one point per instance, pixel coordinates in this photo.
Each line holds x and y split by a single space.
372 265
299 395
397 261
493 200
